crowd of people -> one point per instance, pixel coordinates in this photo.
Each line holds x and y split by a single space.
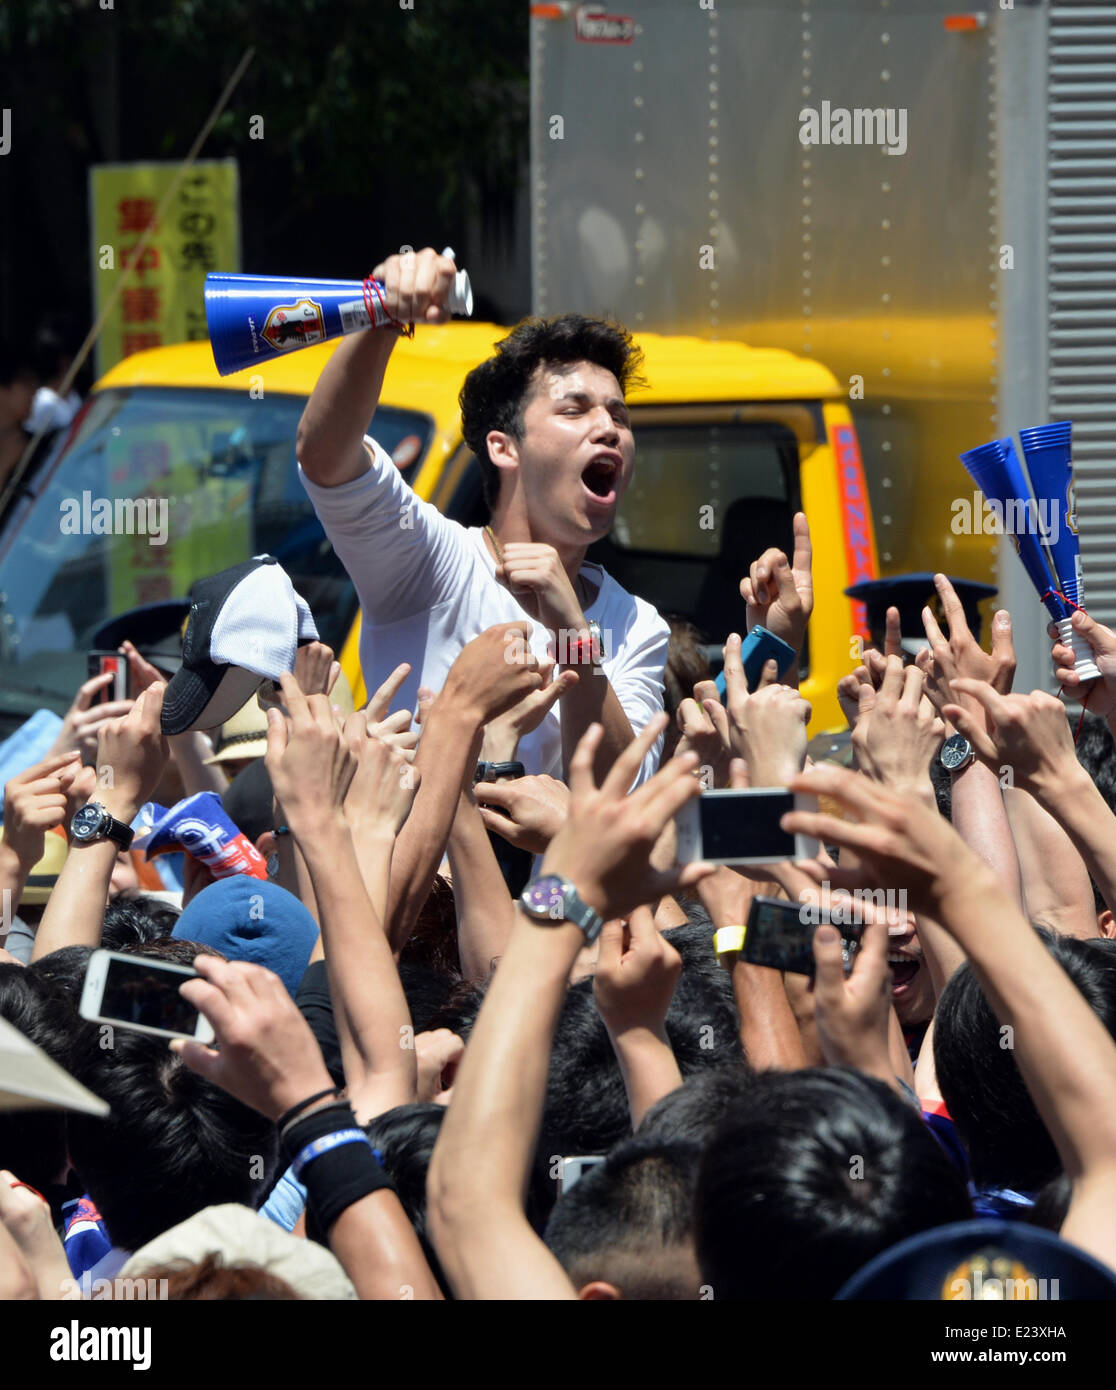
473 1037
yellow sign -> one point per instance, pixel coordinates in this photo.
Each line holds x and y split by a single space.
162 298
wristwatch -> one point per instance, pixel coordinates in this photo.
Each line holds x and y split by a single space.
550 900
492 772
587 651
93 823
957 752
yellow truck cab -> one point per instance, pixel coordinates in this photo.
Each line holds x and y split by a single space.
171 472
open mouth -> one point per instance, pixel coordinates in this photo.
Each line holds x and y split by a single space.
903 971
600 478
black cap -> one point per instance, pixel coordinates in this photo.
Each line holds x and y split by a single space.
154 629
976 1259
911 593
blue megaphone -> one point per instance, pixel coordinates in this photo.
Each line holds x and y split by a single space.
254 317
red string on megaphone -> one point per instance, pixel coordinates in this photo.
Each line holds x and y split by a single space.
374 291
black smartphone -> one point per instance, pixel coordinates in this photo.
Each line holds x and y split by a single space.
780 934
97 663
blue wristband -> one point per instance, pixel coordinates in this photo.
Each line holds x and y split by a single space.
317 1147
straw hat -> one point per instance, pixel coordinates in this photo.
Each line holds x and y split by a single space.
44 875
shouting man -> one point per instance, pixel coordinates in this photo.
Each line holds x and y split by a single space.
547 421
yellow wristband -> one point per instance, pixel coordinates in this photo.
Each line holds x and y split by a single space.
728 940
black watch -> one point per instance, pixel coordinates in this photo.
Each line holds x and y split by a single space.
93 823
956 753
492 772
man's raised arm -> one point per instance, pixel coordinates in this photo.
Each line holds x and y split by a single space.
333 425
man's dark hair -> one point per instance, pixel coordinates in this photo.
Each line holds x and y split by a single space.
495 393
813 1174
996 1119
248 800
695 1111
33 1142
132 919
173 1144
17 363
629 1222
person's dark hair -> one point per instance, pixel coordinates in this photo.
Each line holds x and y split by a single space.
56 343
629 1222
33 1142
1007 1143
496 392
132 919
1051 1204
586 1110
211 1280
811 1175
686 665
693 1113
173 1144
1096 752
942 782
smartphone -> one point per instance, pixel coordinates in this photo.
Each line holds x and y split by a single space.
759 647
575 1168
141 994
742 827
780 934
97 663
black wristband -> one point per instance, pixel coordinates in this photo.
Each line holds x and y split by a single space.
288 1115
337 1177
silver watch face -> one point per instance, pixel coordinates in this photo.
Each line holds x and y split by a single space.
956 752
545 898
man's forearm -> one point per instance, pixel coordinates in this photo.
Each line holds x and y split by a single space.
479 1169
593 701
377 1248
1081 810
445 754
1056 888
75 911
648 1066
485 911
335 421
979 817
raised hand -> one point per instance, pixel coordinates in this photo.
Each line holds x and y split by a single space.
1099 695
851 1011
309 761
962 655
83 721
35 802
527 811
1030 734
417 285
502 734
606 844
493 672
780 593
132 755
384 783
637 970
268 1057
534 571
768 728
897 732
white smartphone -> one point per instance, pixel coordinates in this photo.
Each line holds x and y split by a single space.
742 827
141 994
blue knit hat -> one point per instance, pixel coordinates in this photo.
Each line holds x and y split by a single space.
251 919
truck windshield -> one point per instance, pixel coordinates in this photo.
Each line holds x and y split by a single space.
155 489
